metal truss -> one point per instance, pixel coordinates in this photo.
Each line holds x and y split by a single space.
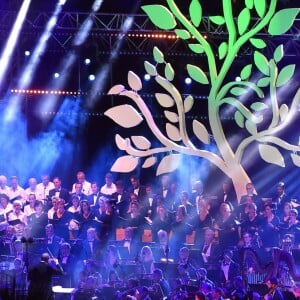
141 36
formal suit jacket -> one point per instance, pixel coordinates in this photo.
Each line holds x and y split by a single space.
122 206
63 194
88 253
93 199
141 193
234 270
40 277
213 259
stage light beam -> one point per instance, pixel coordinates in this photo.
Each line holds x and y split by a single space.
12 40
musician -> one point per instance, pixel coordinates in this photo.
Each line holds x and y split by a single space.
280 198
40 278
68 262
146 260
227 226
91 247
163 250
250 194
38 220
185 259
121 198
61 219
5 208
210 253
274 292
239 291
201 221
17 218
164 287
52 241
112 261
229 269
269 229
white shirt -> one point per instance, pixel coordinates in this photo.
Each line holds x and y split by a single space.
108 190
36 192
44 190
86 188
18 192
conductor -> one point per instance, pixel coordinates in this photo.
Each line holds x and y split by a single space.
40 277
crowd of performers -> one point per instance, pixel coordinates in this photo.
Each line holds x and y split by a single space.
149 241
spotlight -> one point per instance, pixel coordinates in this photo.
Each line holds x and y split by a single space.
87 61
56 75
92 77
188 80
147 77
27 53
238 78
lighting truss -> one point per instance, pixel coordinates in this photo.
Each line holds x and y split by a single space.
142 35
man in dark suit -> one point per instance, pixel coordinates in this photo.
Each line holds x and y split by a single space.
40 277
136 188
280 198
228 270
59 191
78 192
121 199
93 198
91 247
210 253
52 242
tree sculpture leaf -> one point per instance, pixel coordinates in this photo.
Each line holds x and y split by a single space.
125 164
183 34
201 132
171 116
237 91
116 89
188 103
282 21
259 106
283 112
160 16
243 20
261 63
150 69
258 43
120 142
271 154
124 115
195 10
169 72
164 100
246 72
168 164
173 132
219 20
251 127
223 48
134 81
278 53
263 82
260 7
197 74
141 142
295 159
158 55
239 119
285 75
149 162
196 48
249 3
